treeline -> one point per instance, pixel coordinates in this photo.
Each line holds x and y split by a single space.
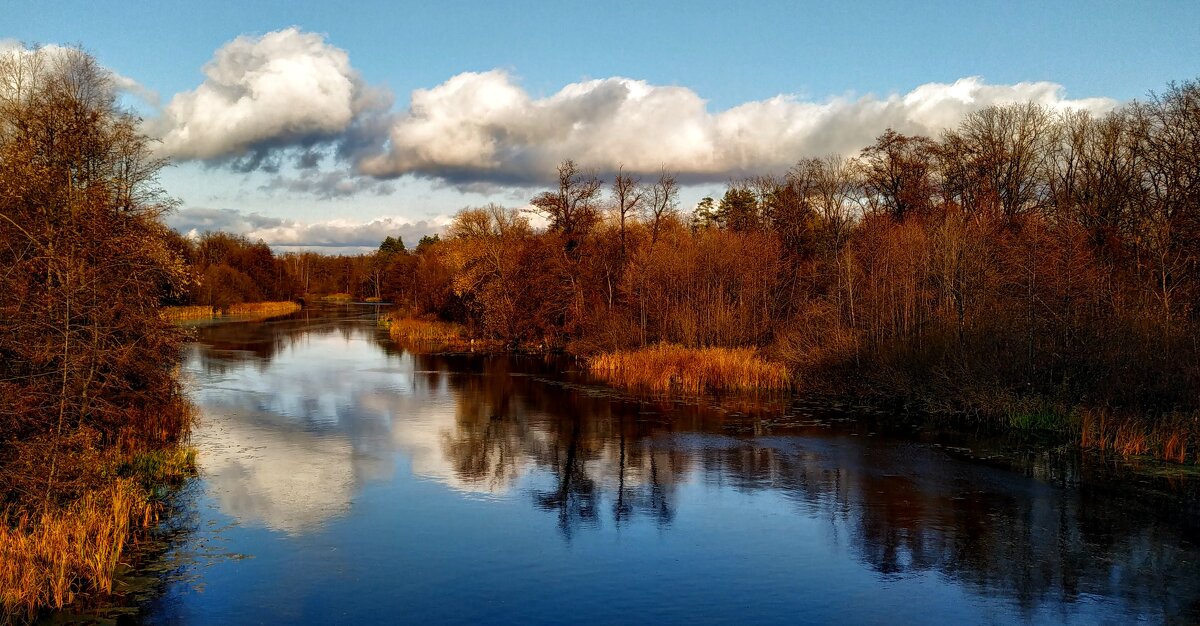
225 269
1027 263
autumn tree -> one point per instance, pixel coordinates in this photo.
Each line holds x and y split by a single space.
85 358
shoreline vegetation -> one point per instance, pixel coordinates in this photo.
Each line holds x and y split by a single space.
93 421
55 555
249 310
665 368
669 369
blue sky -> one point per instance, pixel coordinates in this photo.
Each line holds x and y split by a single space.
702 76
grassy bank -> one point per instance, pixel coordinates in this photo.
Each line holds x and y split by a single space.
665 368
186 313
262 309
431 333
241 309
54 554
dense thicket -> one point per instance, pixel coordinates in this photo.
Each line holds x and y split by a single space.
1029 256
85 360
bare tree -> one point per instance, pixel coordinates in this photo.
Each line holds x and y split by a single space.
664 202
571 209
627 193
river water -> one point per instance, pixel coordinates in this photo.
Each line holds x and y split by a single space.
345 479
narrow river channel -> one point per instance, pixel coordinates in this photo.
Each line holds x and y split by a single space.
345 479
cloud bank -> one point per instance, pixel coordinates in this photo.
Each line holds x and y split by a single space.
291 93
484 127
287 233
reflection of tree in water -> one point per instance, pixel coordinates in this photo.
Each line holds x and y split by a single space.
508 418
228 345
902 508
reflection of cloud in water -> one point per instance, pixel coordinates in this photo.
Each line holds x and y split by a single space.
286 441
286 479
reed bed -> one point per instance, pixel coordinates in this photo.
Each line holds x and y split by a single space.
666 368
426 331
338 297
263 309
47 559
52 555
185 313
1169 437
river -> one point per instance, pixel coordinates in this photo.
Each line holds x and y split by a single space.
345 479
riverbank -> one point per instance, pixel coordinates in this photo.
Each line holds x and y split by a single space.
673 369
55 554
242 310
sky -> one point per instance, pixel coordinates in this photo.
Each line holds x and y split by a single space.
332 125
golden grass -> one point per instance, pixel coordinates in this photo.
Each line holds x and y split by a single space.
262 309
183 313
49 557
1167 437
667 367
338 297
412 329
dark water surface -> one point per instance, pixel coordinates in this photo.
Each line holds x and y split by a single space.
347 480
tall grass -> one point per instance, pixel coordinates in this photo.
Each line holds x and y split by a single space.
413 330
1169 438
666 368
183 313
52 555
262 309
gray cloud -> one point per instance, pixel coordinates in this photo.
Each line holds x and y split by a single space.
290 95
199 220
329 185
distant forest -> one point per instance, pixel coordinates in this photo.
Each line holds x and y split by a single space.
1025 263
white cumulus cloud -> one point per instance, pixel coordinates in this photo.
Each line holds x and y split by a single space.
284 89
485 127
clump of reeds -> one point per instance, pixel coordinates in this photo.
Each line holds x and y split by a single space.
338 297
52 553
427 331
47 558
1168 437
183 313
262 309
666 368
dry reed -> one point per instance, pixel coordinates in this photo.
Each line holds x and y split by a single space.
262 309
1167 437
183 313
47 559
426 331
667 367
52 555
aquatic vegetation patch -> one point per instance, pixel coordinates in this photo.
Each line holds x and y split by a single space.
185 313
1173 437
263 309
666 368
52 554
